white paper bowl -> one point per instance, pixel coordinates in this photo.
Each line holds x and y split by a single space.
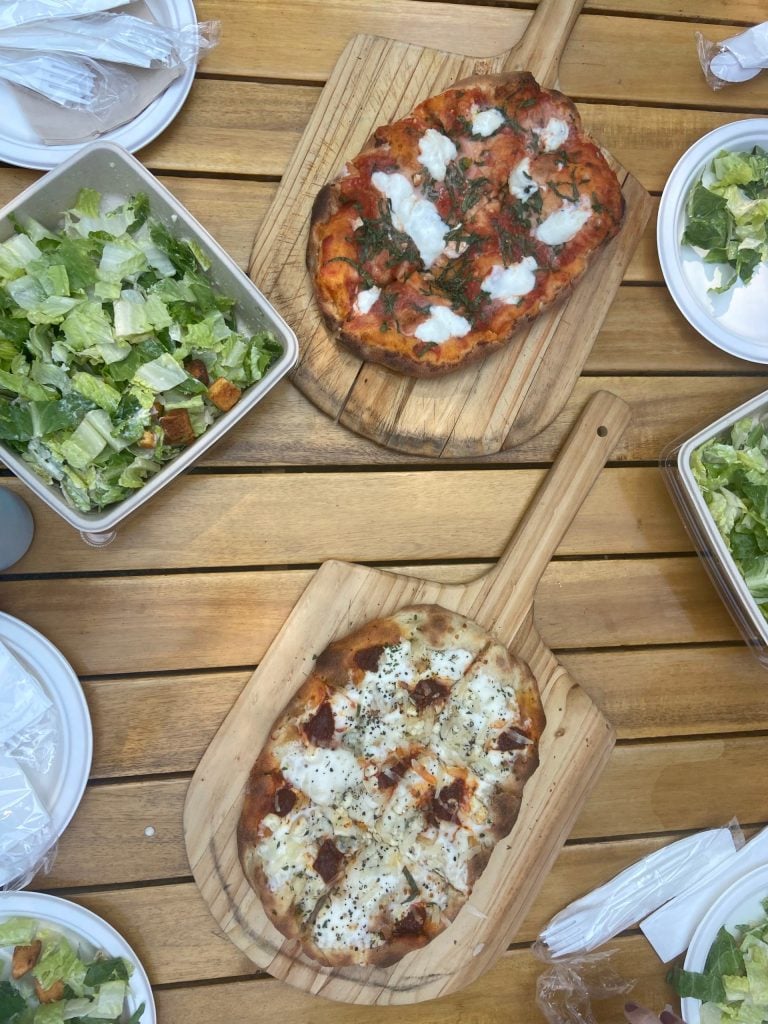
116 174
736 321
79 922
741 904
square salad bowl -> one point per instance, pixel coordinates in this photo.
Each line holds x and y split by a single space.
677 463
115 174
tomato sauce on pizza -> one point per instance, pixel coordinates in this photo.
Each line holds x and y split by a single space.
460 222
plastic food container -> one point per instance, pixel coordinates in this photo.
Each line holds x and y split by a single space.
718 561
111 170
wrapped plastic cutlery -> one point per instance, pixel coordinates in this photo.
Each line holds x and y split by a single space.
121 38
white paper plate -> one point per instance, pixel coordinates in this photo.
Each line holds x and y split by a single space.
741 904
61 788
77 922
736 320
20 145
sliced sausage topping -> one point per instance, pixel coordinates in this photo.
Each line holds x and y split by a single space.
512 740
368 658
427 691
413 922
328 860
321 726
285 799
445 804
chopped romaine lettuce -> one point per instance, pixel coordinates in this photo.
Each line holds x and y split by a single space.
732 474
733 987
727 217
98 324
82 984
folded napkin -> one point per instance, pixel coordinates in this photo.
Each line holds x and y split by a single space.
736 59
636 892
670 929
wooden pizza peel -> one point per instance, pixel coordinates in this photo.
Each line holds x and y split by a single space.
493 404
574 748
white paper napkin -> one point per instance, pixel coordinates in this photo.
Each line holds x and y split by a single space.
636 892
670 929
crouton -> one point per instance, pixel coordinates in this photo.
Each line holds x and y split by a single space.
224 394
177 427
148 440
24 958
196 368
52 994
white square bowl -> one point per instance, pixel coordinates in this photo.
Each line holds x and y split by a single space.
111 170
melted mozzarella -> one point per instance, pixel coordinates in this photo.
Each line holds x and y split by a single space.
450 664
441 325
449 854
435 152
374 880
520 182
564 224
486 122
413 214
510 284
344 709
402 821
476 705
288 850
324 775
366 299
554 133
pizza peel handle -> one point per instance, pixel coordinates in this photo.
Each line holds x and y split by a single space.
503 597
543 42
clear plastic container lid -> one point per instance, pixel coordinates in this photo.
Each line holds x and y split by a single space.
700 524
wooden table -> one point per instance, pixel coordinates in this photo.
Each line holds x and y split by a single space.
165 625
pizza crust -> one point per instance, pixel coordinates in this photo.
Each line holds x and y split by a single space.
415 819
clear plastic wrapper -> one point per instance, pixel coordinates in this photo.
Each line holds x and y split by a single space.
26 838
25 12
576 971
75 83
29 725
737 59
566 989
637 891
120 38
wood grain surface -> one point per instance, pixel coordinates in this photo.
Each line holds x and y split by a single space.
573 748
497 402
167 625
